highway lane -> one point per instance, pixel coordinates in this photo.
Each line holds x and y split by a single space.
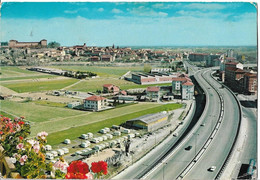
172 167
249 150
217 152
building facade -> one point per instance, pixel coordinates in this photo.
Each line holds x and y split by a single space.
153 93
110 88
16 44
187 90
95 103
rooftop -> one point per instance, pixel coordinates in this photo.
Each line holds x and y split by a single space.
95 98
153 89
149 118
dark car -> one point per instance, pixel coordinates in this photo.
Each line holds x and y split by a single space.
188 148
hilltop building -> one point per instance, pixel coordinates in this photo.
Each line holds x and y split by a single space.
16 44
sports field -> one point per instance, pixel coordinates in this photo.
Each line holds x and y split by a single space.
102 71
59 120
37 85
15 73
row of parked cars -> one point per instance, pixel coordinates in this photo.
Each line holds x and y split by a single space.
52 154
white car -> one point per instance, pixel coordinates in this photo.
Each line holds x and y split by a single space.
212 168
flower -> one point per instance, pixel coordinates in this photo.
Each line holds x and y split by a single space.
36 147
99 167
20 137
21 123
20 146
77 170
23 159
61 165
31 141
1 132
89 176
13 160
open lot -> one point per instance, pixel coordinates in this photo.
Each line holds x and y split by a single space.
62 122
39 85
102 71
92 85
75 132
15 73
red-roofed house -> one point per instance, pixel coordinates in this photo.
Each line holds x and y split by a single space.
187 90
249 83
176 85
95 103
152 93
110 88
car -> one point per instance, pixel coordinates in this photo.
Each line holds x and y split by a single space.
203 124
175 134
188 148
212 168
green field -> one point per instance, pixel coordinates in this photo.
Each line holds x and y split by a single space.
75 132
27 77
49 103
57 119
13 73
93 85
34 86
102 71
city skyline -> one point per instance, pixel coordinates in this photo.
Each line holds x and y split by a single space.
132 23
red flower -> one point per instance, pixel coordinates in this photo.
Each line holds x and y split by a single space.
21 123
99 167
70 176
20 137
78 167
1 132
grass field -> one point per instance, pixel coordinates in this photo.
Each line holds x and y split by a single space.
53 119
27 77
75 132
35 86
102 71
97 84
13 73
51 104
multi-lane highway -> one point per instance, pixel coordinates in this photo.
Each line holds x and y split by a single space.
208 143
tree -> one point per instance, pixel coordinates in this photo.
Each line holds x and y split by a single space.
53 44
147 68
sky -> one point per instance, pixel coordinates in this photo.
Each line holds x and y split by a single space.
131 23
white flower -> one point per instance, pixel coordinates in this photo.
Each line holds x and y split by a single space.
13 160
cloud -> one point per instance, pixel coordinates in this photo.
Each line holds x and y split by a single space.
164 6
205 6
180 30
116 11
100 9
70 12
147 12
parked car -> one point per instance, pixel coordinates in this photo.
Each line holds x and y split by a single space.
49 156
188 148
212 168
67 141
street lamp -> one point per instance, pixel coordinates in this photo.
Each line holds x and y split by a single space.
164 163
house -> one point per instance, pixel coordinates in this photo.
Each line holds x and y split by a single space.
110 88
108 58
95 103
94 58
153 93
250 83
176 84
187 90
